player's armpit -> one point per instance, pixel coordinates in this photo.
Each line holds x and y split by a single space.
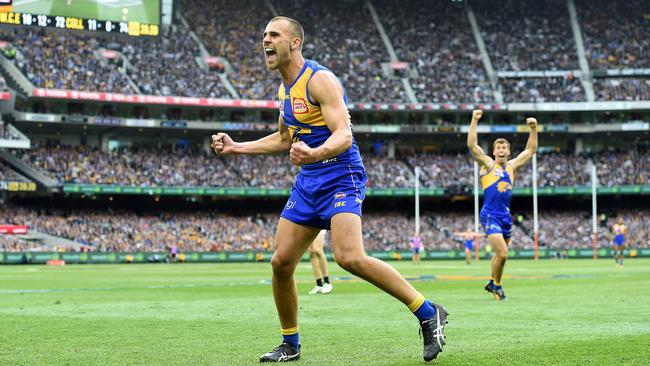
481 157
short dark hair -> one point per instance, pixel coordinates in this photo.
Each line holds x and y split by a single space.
295 27
500 141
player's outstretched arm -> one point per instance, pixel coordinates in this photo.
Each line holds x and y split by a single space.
472 142
276 142
326 90
531 146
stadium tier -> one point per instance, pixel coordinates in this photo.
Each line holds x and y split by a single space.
210 231
101 118
157 167
458 149
414 51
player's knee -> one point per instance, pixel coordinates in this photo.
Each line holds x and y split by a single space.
501 253
350 263
281 265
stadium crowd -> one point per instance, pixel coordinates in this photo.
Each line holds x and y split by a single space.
443 63
8 174
345 40
527 35
168 66
144 167
154 167
64 61
571 230
542 90
233 30
126 231
629 89
437 42
616 33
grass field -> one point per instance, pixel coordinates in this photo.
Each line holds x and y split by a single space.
144 11
573 312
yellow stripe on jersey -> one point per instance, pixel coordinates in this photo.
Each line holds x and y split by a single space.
302 110
491 177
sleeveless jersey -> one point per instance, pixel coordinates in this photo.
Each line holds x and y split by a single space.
497 189
619 232
416 242
304 119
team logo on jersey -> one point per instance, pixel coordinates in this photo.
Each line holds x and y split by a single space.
503 186
339 195
299 106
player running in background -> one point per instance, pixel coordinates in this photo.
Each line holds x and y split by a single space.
319 265
468 238
620 232
314 127
497 179
416 244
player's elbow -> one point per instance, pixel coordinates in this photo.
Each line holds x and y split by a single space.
346 140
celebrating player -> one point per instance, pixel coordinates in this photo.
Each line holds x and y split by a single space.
468 238
319 265
497 179
314 127
620 232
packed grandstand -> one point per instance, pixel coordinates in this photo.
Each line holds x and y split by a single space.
413 52
533 53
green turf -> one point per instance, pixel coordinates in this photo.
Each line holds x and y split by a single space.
573 312
145 11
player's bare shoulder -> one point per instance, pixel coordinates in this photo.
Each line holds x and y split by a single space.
324 85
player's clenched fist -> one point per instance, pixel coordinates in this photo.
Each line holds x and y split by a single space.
301 154
477 114
532 122
222 143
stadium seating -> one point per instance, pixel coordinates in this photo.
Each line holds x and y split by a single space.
444 64
127 231
154 167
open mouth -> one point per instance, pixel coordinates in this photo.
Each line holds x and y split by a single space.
270 53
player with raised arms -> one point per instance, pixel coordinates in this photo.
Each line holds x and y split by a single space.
468 238
314 127
497 180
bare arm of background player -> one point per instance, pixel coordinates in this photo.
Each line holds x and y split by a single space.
531 146
472 142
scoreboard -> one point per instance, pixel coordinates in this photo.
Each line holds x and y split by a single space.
127 17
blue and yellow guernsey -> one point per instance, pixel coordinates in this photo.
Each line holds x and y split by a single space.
303 117
619 233
497 190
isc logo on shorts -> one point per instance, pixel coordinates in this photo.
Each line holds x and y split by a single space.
299 106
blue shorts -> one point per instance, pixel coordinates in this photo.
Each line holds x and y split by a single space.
497 224
416 250
315 199
619 240
469 245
